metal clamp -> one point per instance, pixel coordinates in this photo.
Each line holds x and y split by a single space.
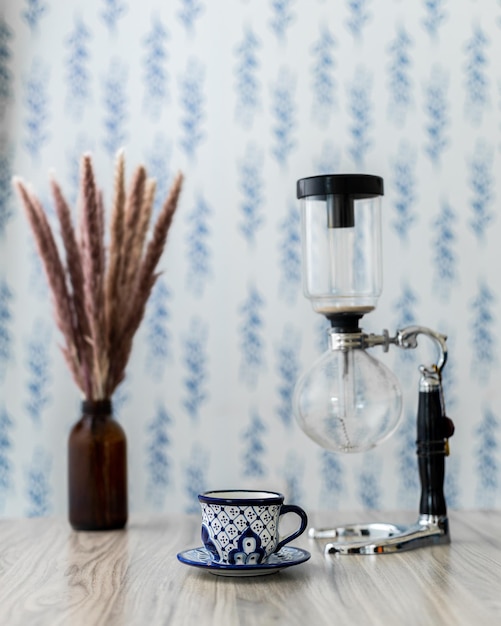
405 338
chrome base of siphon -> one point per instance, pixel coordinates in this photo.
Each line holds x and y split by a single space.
383 538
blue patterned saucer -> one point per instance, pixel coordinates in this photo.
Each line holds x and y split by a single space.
286 557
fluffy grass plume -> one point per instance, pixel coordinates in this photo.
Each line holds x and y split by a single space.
99 294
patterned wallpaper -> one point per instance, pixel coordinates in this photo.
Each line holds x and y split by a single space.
245 97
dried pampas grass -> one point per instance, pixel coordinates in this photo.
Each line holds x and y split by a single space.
99 294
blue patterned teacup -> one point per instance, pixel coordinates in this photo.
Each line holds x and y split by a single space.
240 527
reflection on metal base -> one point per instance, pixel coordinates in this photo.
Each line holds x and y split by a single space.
381 538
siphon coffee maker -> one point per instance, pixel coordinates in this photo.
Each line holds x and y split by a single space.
348 401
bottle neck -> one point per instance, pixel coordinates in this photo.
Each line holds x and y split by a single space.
97 408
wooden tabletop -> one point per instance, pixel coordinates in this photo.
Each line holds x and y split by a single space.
52 575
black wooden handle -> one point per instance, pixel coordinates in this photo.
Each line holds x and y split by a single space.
433 430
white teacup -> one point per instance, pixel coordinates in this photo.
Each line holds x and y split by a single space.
240 527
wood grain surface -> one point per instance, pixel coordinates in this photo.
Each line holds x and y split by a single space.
50 574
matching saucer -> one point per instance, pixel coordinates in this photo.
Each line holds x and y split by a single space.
286 557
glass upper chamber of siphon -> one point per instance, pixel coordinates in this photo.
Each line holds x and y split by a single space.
348 401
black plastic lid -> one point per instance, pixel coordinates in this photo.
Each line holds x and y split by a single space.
358 186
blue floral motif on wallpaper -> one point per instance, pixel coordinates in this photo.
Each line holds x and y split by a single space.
251 336
36 105
404 182
6 208
122 396
198 246
248 85
78 80
254 449
155 72
6 76
483 336
115 104
358 16
284 116
404 308
193 107
434 16
322 325
38 369
452 486
282 16
487 464
445 261
195 477
437 114
158 457
158 335
360 107
195 362
37 281
332 477
33 12
73 155
38 484
251 185
476 76
369 484
289 243
481 181
287 366
6 321
158 166
6 448
400 83
112 12
294 477
324 83
189 12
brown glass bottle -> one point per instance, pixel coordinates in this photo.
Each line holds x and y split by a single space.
97 470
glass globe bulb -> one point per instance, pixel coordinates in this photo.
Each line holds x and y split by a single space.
348 401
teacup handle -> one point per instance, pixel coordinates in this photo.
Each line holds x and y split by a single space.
292 508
